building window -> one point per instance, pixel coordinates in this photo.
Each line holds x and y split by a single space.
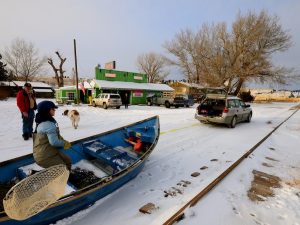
71 95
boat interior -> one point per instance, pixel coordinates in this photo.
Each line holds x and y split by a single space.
93 159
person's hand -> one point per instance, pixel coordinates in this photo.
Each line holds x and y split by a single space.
67 145
25 114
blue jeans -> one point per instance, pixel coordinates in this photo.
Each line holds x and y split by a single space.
28 122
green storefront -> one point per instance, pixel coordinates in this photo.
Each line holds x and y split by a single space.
113 81
134 84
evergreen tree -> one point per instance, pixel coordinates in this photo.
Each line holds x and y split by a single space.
3 71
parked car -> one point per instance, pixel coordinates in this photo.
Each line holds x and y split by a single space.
165 99
219 109
183 101
107 100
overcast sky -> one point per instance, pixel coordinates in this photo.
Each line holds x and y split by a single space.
120 30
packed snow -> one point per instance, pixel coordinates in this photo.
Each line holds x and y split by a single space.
186 145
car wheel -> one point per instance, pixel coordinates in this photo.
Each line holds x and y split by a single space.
118 107
167 104
233 122
187 106
149 103
94 104
104 106
249 118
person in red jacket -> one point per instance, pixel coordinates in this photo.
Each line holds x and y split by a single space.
26 103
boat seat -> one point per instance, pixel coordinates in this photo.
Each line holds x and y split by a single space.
27 170
117 159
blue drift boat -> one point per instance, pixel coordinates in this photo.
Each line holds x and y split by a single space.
100 164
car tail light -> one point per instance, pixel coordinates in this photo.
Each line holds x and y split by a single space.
225 110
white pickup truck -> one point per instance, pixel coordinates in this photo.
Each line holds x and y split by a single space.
165 98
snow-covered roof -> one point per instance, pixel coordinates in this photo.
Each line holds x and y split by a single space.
72 87
67 88
42 90
194 85
103 84
21 84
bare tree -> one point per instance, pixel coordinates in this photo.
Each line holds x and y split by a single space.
216 57
153 65
184 48
3 71
59 72
23 59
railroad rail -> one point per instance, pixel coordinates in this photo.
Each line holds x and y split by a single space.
180 213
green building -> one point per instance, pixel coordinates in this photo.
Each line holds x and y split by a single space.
113 81
67 94
134 84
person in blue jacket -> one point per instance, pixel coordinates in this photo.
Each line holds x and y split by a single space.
47 142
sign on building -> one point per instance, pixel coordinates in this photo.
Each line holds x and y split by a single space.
138 78
110 75
137 93
110 65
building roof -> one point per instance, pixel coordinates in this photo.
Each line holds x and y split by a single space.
21 84
36 86
103 84
73 87
194 85
67 88
43 90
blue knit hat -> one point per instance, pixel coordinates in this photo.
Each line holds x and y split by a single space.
46 106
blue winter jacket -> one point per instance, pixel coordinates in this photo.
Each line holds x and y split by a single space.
51 130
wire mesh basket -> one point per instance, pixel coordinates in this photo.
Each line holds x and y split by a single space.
34 193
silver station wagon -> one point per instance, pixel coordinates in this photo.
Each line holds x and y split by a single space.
216 108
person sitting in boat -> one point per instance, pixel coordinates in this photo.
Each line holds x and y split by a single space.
47 140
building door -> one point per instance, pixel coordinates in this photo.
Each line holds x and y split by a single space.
123 96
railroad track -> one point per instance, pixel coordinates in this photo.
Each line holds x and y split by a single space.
180 213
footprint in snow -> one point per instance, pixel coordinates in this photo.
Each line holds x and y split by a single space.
173 191
203 168
195 174
266 165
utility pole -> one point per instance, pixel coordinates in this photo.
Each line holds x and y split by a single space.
76 73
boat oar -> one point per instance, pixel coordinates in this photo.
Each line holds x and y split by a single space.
131 142
36 192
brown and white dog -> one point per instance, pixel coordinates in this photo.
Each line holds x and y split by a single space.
73 115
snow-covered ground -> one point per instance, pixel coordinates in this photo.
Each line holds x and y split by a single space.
186 145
